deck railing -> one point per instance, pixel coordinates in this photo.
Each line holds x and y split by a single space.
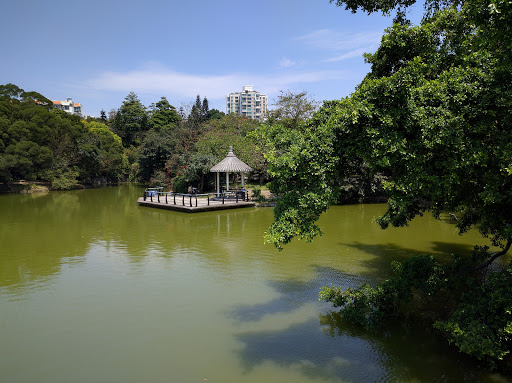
170 197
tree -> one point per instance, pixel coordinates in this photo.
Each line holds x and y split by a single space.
38 142
217 135
197 170
131 120
434 114
239 132
34 137
215 114
198 113
156 148
112 161
112 114
292 108
26 160
205 108
10 92
163 115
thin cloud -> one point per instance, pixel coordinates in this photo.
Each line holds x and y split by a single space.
286 63
346 45
156 79
164 80
348 55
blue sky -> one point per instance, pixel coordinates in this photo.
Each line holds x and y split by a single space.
97 51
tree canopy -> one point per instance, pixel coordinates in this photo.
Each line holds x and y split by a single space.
292 108
434 113
38 142
131 120
433 116
163 115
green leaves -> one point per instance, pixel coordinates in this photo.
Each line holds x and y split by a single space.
291 109
370 307
37 142
433 115
111 158
163 115
131 120
482 323
433 118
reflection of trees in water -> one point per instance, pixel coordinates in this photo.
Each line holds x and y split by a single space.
36 233
379 265
39 234
39 231
294 293
305 346
412 352
329 349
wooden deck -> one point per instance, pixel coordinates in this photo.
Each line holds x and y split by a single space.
198 204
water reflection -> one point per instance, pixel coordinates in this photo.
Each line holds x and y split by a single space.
41 232
132 288
327 348
36 233
407 353
293 293
302 346
394 250
351 359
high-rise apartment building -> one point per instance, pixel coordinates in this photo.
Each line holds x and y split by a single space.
248 102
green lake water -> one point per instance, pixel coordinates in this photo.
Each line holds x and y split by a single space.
94 288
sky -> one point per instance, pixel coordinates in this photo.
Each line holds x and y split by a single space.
98 51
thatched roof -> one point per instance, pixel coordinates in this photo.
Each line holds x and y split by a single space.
231 164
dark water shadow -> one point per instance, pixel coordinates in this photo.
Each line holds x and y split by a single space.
306 347
411 352
348 354
326 348
294 293
448 248
379 267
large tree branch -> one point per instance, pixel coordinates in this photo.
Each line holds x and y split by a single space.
494 257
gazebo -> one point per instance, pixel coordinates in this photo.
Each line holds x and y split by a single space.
230 164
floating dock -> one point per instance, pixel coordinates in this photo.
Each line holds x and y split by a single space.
192 203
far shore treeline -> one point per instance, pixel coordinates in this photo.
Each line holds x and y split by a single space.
156 144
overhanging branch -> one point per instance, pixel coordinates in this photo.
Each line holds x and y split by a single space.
494 257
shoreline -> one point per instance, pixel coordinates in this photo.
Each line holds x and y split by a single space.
31 187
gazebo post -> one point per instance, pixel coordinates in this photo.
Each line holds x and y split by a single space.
227 181
218 184
242 176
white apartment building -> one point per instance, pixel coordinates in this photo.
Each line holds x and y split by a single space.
248 103
69 106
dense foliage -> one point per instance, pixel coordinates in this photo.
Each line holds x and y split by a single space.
131 120
38 142
434 117
291 109
155 145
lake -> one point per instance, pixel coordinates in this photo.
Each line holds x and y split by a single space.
94 288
